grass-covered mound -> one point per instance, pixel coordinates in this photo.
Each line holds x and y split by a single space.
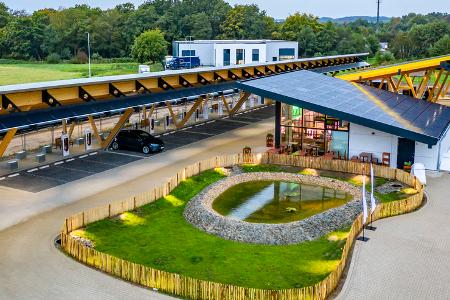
157 235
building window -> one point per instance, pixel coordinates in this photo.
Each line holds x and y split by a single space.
188 53
226 57
255 55
240 56
286 53
313 133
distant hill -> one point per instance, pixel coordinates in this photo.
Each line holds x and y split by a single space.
354 18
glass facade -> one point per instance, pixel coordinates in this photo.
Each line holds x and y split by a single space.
188 53
240 56
255 55
226 57
313 133
286 53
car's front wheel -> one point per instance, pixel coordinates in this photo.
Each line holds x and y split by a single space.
115 146
146 149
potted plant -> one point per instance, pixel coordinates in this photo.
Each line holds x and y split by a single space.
407 166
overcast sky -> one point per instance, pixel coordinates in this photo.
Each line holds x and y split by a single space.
279 8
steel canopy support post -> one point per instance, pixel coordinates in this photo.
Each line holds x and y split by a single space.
7 140
277 124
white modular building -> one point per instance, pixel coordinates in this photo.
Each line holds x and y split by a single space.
220 53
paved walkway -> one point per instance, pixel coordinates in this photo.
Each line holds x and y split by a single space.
408 256
32 268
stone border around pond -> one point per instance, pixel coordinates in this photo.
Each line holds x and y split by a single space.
199 212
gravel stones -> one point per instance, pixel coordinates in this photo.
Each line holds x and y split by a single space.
199 212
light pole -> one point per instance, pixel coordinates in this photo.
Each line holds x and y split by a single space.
190 50
89 54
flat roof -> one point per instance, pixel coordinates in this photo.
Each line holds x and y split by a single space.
25 120
234 41
401 115
55 84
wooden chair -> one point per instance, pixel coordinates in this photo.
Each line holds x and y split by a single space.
328 156
354 158
386 159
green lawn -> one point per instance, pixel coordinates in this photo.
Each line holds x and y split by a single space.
157 235
35 72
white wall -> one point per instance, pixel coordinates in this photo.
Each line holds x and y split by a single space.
429 157
445 152
361 139
218 48
274 47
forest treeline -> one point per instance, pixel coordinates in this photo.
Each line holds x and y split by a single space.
61 34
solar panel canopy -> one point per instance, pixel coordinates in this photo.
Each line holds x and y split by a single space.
400 115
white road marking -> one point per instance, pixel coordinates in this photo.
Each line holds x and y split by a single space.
44 167
13 175
32 170
70 159
58 163
2 178
93 153
83 156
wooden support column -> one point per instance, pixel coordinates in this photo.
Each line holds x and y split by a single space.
95 130
441 87
125 116
172 114
7 140
194 107
445 89
227 108
381 83
424 83
397 86
64 126
391 85
410 85
242 99
71 128
436 82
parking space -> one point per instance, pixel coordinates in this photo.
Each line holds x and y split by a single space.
57 173
51 175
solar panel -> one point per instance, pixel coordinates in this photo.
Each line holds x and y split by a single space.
368 106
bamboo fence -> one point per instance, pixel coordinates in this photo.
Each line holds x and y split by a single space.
192 288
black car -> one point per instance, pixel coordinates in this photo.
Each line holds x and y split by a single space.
137 140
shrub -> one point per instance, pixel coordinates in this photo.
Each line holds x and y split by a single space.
53 58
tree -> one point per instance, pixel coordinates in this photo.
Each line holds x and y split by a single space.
246 22
149 46
373 44
441 47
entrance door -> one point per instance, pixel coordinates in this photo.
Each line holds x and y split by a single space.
406 149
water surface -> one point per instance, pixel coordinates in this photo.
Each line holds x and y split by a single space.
277 201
